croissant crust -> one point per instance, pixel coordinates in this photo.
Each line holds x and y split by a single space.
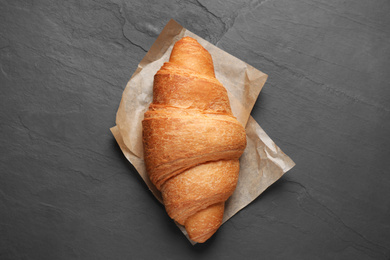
192 141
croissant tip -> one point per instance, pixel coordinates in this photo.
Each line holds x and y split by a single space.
188 39
204 237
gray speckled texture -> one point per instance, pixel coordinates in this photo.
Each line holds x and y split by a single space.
67 192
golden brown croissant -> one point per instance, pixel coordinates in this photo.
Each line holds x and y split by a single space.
192 141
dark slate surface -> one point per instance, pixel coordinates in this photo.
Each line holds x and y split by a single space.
66 191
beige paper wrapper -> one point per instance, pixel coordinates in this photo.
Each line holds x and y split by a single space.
262 162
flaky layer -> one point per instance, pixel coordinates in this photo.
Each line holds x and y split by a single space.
179 143
203 224
182 88
199 188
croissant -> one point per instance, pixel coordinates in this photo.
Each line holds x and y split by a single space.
192 142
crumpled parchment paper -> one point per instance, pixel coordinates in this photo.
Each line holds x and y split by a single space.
262 162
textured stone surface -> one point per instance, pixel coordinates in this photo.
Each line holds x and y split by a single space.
66 191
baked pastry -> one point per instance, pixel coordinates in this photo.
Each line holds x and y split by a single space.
192 142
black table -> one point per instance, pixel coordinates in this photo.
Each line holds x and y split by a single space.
67 192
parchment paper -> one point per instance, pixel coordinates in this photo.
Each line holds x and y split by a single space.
262 162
